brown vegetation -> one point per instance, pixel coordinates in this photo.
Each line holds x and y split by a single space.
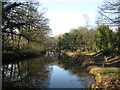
102 67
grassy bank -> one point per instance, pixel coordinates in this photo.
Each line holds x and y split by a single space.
104 68
13 55
106 77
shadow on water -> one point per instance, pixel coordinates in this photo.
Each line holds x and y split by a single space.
33 73
37 72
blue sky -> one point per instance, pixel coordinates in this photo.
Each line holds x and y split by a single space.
65 15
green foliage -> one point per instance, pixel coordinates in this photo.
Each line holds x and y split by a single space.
118 39
80 39
104 38
83 39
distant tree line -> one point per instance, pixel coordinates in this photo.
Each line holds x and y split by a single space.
100 39
24 26
83 39
77 39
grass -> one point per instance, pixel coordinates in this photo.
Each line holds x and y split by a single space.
106 77
90 53
105 72
13 55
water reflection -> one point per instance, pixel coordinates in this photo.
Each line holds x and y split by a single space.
71 66
61 78
49 71
33 73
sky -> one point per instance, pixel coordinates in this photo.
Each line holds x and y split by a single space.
65 15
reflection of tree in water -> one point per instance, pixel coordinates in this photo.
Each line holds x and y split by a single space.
66 62
33 73
70 64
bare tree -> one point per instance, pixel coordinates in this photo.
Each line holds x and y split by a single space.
109 13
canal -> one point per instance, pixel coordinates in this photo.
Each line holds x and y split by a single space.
48 71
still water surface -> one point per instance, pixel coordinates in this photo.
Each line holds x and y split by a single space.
49 71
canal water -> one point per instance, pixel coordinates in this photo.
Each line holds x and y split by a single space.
48 71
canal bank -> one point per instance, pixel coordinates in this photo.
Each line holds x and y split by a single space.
105 69
15 55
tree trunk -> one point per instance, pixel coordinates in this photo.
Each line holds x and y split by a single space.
19 42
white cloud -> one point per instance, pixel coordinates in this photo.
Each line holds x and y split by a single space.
64 21
69 1
69 14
